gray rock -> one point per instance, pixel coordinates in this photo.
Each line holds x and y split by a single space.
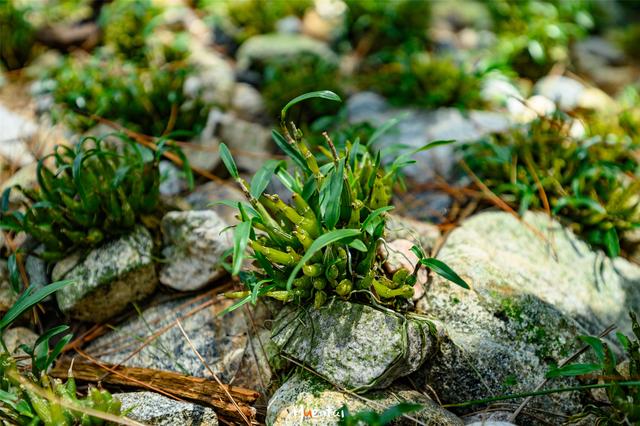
108 278
16 337
289 25
307 393
263 48
417 127
354 346
534 288
15 130
213 79
36 268
172 180
597 51
564 91
207 195
194 248
154 409
247 102
152 338
251 141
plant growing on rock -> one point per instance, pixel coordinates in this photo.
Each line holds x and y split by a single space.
620 380
325 242
94 193
591 184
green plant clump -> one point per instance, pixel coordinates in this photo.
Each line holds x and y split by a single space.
533 35
150 100
422 79
253 17
94 193
325 242
17 35
373 26
591 184
302 74
126 25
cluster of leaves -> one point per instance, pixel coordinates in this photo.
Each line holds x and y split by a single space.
148 100
302 74
420 78
253 17
622 387
325 244
33 398
535 34
95 192
375 26
589 183
17 35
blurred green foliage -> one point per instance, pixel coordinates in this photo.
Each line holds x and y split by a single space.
533 35
17 35
591 184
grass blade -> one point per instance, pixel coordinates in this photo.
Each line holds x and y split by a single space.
240 241
444 271
227 159
322 94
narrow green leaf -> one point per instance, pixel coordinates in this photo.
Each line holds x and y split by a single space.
321 242
374 214
577 202
227 159
380 131
596 345
612 242
444 271
433 144
263 176
322 94
14 273
240 241
358 245
28 299
330 196
573 370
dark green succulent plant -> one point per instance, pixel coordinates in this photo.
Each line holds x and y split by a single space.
17 35
93 193
621 380
325 242
591 183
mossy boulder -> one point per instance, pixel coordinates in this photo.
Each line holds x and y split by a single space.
535 287
355 346
306 399
107 278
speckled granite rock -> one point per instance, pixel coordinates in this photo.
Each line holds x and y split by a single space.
352 345
194 248
108 278
221 340
157 410
204 197
305 392
531 294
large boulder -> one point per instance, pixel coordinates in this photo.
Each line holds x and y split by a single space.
307 398
156 410
354 346
535 287
108 278
195 245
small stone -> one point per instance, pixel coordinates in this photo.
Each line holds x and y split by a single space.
306 398
108 278
208 195
247 102
564 91
7 295
213 79
172 180
354 346
15 130
157 410
194 248
289 25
